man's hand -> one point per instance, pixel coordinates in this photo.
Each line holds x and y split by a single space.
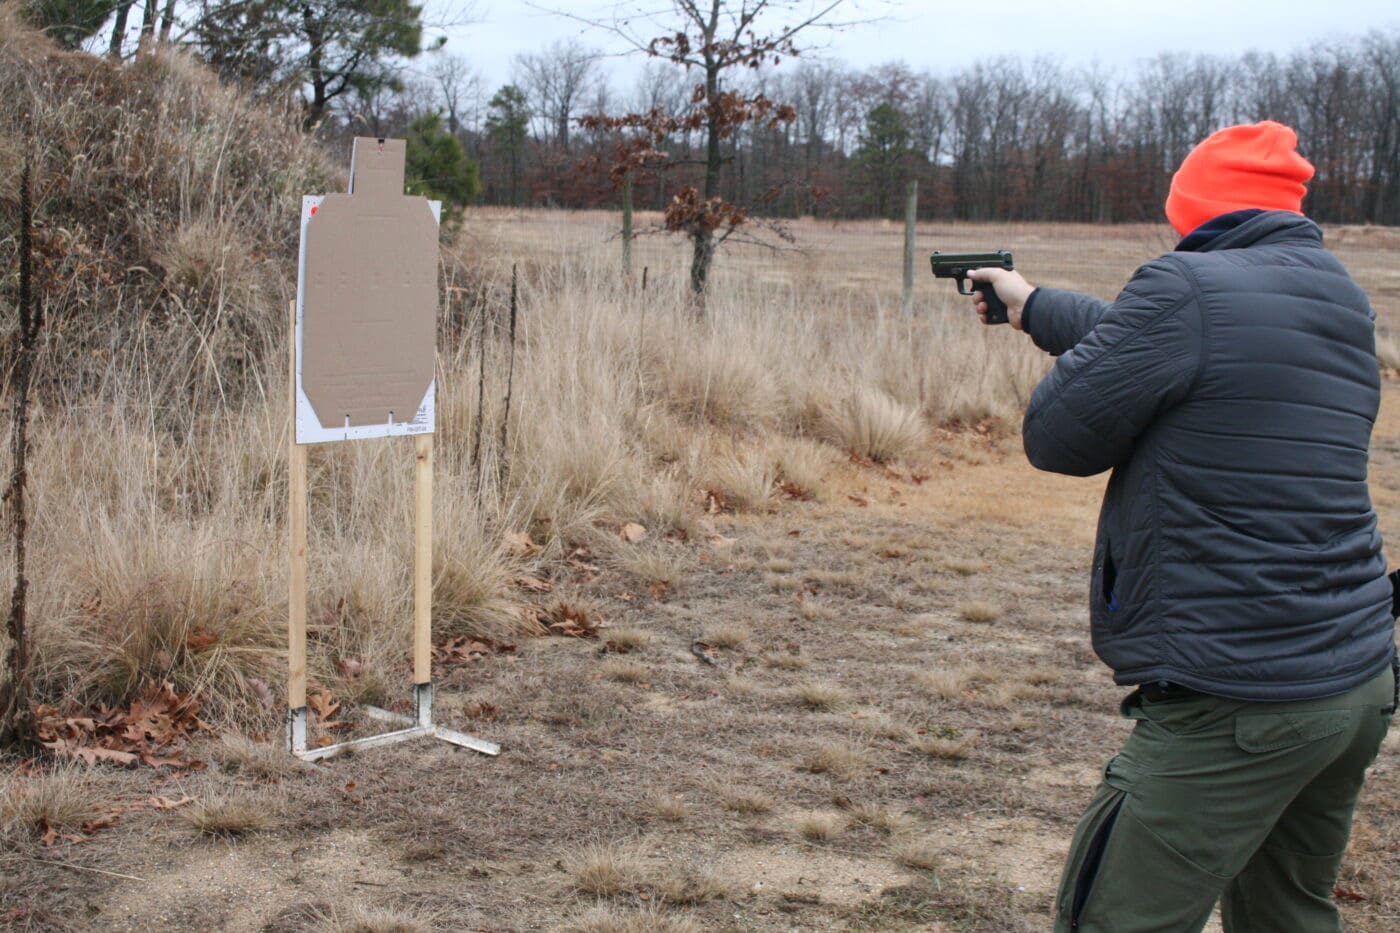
1010 287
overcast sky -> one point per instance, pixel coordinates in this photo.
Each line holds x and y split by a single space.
944 36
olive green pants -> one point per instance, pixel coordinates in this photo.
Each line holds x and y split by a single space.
1210 799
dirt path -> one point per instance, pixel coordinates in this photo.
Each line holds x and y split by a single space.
897 724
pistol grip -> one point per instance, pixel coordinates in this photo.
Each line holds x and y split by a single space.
996 308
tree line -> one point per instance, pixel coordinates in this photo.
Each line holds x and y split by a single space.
1009 139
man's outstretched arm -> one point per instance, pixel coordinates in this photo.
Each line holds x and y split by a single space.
1056 320
1140 359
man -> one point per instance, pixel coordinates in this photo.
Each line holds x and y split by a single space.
1238 579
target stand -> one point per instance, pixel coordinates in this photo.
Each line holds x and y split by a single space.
420 724
362 353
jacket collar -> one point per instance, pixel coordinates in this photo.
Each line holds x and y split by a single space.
1240 229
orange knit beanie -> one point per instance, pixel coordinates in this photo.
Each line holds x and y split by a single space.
1239 167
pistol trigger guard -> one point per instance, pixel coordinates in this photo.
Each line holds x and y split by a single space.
965 282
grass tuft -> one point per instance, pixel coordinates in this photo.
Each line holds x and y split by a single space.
870 423
362 918
689 888
820 826
948 748
821 695
917 854
609 918
838 759
229 816
622 671
728 635
61 798
629 638
979 612
603 869
669 807
785 661
749 801
883 819
261 761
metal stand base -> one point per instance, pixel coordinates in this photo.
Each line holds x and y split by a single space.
419 725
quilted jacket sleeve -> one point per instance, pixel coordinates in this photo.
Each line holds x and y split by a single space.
1138 360
1057 320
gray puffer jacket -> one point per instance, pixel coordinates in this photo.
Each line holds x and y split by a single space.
1232 391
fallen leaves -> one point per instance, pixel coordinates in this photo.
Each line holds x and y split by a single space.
570 621
145 731
632 533
480 710
455 652
533 584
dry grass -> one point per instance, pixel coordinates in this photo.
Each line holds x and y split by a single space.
261 761
740 686
820 826
363 918
883 819
1042 676
883 726
947 748
230 815
821 695
688 888
979 611
785 661
728 635
916 626
838 759
622 671
746 481
669 807
870 423
945 684
61 798
606 918
964 567
603 869
749 801
950 683
629 637
654 562
917 854
802 466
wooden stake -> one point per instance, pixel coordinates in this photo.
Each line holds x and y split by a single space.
627 225
423 559
911 217
296 526
510 369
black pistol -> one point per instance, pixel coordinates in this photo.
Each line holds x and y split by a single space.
957 266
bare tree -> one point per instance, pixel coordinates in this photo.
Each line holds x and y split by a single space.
459 88
557 81
716 40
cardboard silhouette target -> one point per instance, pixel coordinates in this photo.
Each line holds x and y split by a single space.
362 351
367 300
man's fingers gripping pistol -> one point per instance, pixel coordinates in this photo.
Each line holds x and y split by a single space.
957 265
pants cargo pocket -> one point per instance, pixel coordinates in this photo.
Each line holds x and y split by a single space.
1086 854
1143 884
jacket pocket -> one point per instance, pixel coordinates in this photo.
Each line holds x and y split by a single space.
1108 579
